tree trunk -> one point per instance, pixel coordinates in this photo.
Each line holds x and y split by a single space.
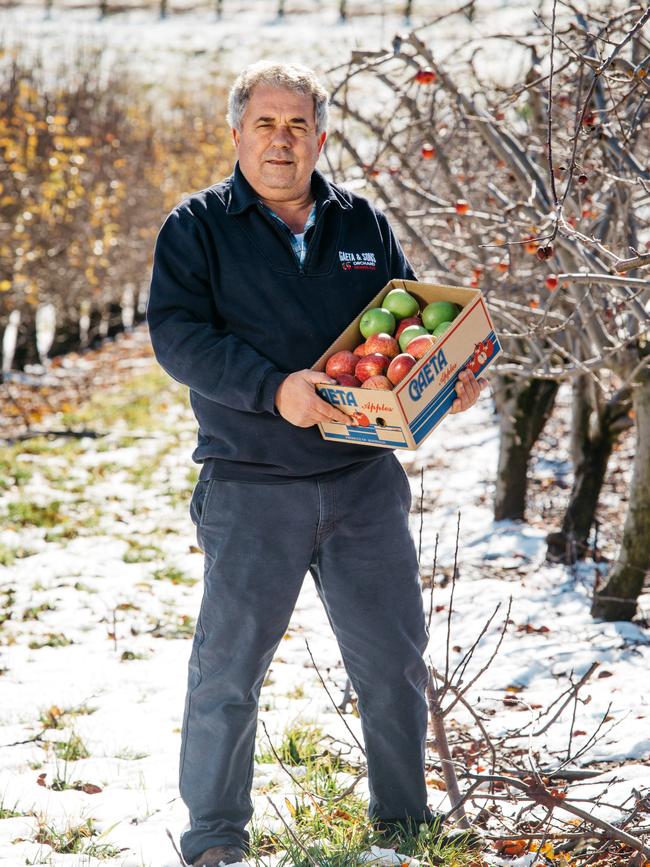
26 348
617 599
67 337
524 408
595 429
114 324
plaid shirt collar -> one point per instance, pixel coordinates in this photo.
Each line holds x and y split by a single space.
298 242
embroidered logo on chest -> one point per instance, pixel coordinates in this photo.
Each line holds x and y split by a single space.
357 261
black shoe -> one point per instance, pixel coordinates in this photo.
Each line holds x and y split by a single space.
217 856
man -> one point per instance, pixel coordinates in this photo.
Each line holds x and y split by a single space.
247 291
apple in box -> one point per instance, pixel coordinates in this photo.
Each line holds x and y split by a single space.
341 363
411 320
381 383
420 345
409 334
371 365
382 343
348 380
399 367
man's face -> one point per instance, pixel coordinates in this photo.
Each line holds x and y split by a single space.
278 145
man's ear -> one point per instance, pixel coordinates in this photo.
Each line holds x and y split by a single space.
321 141
235 138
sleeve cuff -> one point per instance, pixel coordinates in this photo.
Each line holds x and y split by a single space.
268 389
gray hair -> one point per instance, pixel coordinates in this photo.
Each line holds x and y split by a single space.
291 76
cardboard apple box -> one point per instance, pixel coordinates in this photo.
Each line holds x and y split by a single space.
404 417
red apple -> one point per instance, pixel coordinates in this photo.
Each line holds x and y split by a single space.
427 151
360 350
410 320
399 367
551 282
349 380
419 346
341 362
382 343
371 365
426 75
381 383
462 207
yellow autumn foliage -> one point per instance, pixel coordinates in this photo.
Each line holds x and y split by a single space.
89 171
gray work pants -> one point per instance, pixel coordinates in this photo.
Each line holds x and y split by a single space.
351 532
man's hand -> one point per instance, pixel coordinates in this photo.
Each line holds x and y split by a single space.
297 402
468 390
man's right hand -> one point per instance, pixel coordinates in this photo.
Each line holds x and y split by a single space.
297 401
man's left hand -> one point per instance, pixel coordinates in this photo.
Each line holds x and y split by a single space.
468 389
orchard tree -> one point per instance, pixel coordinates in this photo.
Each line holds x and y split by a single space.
537 191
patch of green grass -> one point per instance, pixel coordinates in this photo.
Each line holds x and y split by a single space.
61 533
140 405
75 840
55 717
142 474
130 655
51 717
25 513
10 597
300 745
13 472
35 611
71 750
175 575
50 639
137 552
131 755
178 496
297 692
335 832
7 812
82 518
7 555
329 824
175 626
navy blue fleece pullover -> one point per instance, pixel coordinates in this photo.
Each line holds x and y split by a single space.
231 312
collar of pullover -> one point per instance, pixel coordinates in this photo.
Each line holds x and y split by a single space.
243 196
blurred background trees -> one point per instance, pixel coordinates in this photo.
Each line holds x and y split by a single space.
536 191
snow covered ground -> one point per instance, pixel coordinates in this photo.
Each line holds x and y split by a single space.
196 49
101 608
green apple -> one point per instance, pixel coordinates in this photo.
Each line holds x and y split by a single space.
401 304
377 320
437 312
439 330
409 333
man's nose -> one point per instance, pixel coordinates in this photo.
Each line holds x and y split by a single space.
282 135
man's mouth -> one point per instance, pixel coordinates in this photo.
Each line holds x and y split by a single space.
280 162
